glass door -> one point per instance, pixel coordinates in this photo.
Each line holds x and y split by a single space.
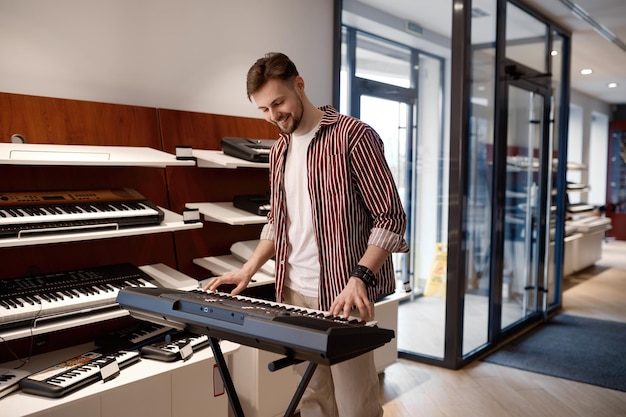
392 120
524 217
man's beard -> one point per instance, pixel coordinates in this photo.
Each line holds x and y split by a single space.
295 120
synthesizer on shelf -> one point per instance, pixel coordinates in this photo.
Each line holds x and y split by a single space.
297 333
32 300
10 379
74 373
133 337
27 214
173 347
255 150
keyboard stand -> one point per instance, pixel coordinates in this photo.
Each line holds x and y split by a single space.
273 366
300 390
233 398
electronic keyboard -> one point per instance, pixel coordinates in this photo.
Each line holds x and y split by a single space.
297 333
172 347
24 214
74 373
30 300
255 150
133 337
9 380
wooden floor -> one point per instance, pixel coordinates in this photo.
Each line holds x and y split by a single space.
481 389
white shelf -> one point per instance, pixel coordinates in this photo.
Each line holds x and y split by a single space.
227 213
217 159
143 379
169 277
591 224
172 222
86 155
220 265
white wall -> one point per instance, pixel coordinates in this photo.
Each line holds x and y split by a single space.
598 153
185 54
595 160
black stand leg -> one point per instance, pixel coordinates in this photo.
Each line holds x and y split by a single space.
230 387
300 390
228 382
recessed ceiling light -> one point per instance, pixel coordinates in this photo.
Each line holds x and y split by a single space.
586 71
612 85
554 53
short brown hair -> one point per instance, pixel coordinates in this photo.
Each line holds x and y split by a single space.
272 65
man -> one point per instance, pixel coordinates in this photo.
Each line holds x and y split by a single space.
335 218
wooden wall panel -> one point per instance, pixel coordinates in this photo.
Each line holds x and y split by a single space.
75 122
205 131
23 261
195 185
150 182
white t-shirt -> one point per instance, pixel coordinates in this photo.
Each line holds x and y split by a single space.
303 266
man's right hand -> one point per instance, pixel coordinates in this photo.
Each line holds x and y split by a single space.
239 278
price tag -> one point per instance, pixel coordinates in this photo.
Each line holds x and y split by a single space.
184 152
109 370
218 382
191 215
186 351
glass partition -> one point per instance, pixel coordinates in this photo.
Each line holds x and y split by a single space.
397 84
526 39
397 63
382 61
480 178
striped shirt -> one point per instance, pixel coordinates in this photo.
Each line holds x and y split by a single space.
354 203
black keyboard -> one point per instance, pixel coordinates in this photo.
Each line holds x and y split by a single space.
171 347
295 332
255 150
133 337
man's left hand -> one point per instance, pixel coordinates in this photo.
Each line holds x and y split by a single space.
354 295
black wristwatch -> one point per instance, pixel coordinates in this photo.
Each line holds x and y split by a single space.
364 274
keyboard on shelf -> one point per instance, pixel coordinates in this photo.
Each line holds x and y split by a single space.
172 347
10 379
74 373
133 337
255 150
33 213
31 300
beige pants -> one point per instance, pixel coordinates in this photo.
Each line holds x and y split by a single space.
347 389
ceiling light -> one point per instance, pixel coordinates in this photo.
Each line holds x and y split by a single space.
554 53
586 71
612 85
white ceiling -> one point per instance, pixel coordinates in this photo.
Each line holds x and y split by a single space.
589 48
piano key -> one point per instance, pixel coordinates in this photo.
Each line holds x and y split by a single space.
9 380
171 351
16 217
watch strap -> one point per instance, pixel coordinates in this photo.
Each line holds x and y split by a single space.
365 275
